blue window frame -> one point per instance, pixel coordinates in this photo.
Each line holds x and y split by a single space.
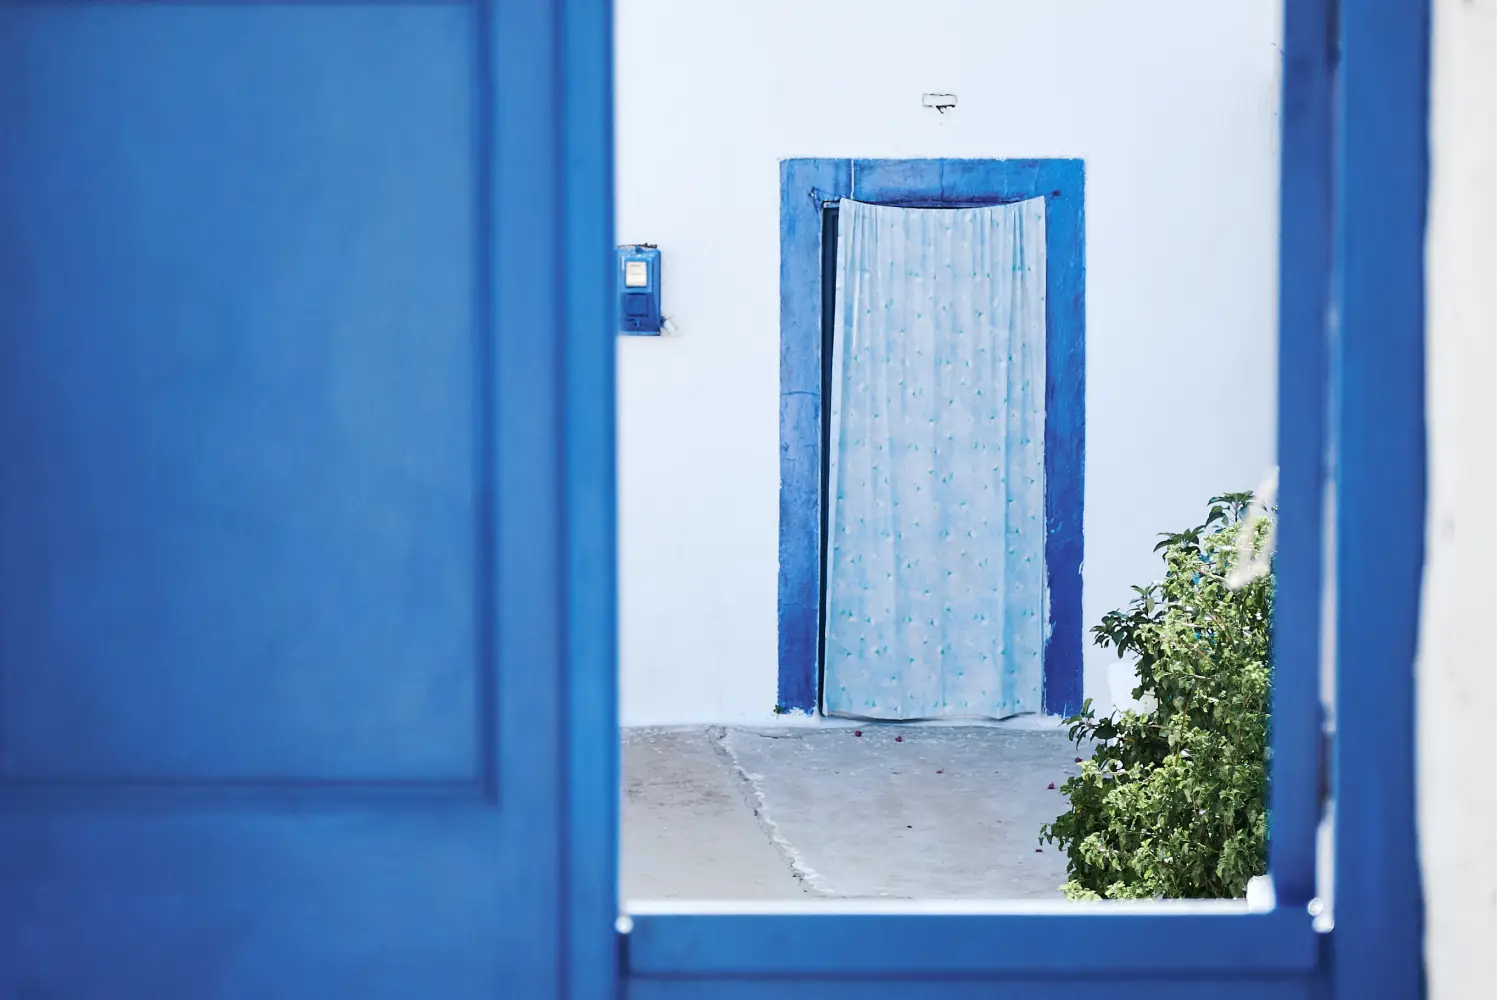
807 186
1350 412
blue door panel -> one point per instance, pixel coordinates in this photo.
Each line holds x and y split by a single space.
238 402
214 899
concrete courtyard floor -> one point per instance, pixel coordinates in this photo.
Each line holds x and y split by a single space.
817 812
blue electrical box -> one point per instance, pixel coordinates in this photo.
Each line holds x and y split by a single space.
638 279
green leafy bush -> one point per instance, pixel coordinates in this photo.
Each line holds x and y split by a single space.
1173 801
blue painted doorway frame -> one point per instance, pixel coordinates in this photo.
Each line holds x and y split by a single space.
807 185
1350 418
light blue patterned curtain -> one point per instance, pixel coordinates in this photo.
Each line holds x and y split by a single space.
936 576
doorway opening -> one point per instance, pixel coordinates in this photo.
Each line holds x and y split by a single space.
810 226
830 263
932 585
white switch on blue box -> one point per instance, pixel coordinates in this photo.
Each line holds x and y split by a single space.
639 282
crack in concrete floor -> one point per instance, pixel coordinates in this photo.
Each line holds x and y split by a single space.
947 812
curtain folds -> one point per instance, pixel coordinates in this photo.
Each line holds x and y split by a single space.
936 580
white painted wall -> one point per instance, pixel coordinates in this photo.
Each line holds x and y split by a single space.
1172 103
1456 662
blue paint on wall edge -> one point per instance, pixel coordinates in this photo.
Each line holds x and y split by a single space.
806 183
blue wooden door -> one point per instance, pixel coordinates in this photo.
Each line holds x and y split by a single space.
287 538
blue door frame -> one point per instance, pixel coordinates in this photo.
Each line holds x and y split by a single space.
807 185
1354 190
